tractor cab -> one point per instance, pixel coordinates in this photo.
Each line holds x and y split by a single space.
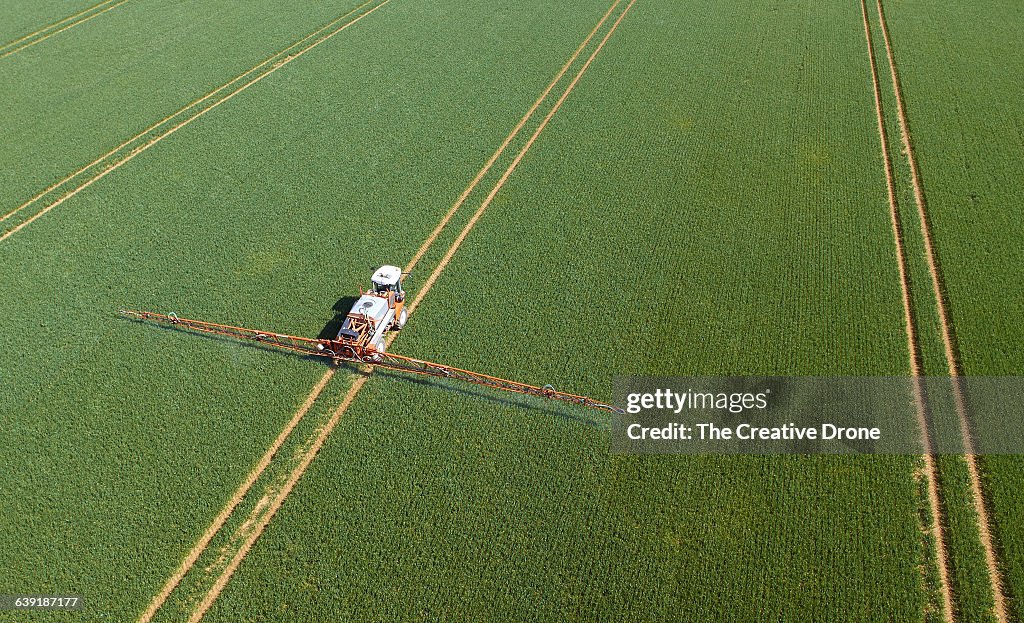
388 280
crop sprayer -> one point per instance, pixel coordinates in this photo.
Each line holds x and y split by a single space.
361 340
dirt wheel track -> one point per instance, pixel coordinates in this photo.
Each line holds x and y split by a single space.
42 30
948 334
236 499
83 19
913 347
276 62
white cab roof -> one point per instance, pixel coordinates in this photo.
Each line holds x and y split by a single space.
387 275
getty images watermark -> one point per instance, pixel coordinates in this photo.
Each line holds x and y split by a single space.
818 415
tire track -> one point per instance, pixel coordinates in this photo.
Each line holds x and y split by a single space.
233 503
353 391
177 113
53 25
501 149
218 523
19 48
512 167
913 348
948 339
204 541
275 62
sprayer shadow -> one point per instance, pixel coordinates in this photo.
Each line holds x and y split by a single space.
341 308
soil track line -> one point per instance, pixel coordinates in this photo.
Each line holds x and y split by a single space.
57 32
219 521
931 473
278 63
949 343
235 500
54 25
299 470
497 153
186 108
512 167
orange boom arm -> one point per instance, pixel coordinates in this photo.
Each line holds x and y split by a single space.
339 352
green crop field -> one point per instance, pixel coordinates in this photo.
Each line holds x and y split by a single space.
584 190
